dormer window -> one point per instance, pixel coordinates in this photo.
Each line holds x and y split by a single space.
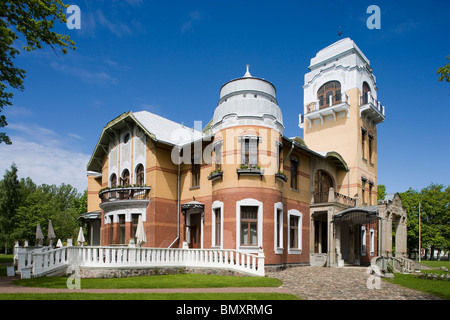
329 94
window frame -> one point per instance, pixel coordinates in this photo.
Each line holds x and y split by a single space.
278 241
334 87
195 173
244 203
217 205
295 163
298 215
249 150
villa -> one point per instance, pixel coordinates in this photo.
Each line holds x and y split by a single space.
239 183
237 194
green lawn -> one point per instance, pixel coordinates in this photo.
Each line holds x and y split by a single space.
147 296
436 264
162 281
152 282
440 288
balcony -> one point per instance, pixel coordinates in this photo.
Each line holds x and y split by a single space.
123 195
370 109
332 197
334 105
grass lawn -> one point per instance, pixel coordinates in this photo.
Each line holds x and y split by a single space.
440 288
147 296
436 264
153 282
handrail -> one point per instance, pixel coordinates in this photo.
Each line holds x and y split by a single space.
124 193
43 262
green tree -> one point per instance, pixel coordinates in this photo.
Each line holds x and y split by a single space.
48 202
9 202
435 217
33 20
381 192
444 72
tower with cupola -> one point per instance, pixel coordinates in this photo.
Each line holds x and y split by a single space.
341 113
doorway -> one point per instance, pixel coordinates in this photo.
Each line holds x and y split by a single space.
195 229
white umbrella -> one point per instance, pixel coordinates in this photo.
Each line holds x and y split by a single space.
39 235
141 237
51 233
80 238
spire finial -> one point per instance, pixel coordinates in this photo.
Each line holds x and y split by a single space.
247 74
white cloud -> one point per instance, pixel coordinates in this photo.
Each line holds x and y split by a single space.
44 156
91 77
194 16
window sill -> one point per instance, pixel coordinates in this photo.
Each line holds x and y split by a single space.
194 188
294 251
295 190
250 172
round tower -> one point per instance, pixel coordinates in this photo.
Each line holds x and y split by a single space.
247 128
247 101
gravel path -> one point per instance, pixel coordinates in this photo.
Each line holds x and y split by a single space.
309 283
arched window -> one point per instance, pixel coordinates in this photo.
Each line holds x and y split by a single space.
365 93
322 184
125 177
113 180
329 92
140 175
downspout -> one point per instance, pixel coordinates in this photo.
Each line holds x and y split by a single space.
178 201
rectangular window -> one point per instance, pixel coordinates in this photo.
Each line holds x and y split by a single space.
249 225
249 152
363 142
134 223
370 147
217 226
363 191
370 194
372 242
218 156
280 155
121 228
363 241
293 232
279 239
195 173
294 174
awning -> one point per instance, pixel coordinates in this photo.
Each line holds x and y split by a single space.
93 215
358 215
192 205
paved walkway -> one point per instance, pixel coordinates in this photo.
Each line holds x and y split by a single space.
312 283
350 283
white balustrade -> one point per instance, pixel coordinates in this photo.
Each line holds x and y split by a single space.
46 260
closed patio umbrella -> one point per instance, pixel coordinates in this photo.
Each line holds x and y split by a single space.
51 233
141 237
80 238
39 235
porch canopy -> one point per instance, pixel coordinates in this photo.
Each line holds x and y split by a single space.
358 215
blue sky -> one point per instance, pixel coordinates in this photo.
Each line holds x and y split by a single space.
172 57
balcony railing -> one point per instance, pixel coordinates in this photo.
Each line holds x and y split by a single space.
318 109
371 109
333 197
124 193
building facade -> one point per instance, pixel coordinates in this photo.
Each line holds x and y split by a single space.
239 183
